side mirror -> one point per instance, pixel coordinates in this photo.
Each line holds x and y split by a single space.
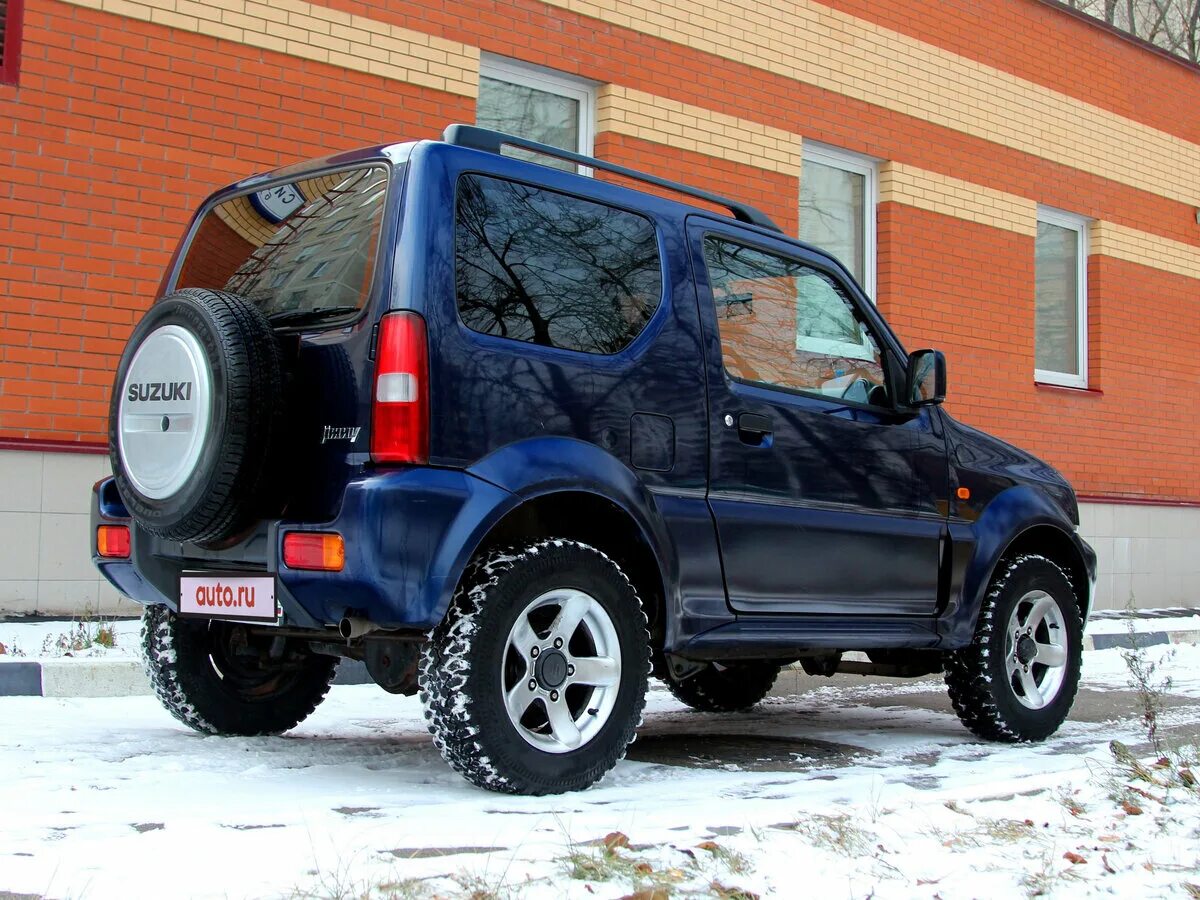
925 382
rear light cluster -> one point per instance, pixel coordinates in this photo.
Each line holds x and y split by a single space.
112 541
320 551
400 415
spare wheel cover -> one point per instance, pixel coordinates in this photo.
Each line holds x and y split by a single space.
165 411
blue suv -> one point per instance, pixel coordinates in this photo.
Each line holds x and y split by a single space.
518 439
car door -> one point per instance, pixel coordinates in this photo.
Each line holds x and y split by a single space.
827 498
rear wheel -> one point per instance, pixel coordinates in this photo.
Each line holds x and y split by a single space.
220 678
1018 678
535 681
726 688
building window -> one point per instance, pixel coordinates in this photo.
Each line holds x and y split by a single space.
10 40
837 209
1061 299
536 104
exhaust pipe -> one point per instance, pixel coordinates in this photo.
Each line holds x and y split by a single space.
352 627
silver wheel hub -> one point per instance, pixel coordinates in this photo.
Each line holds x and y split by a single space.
164 410
561 670
1035 655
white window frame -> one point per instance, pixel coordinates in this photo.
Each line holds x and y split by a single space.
552 82
832 346
1079 225
860 165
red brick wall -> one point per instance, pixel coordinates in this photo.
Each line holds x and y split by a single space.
774 194
964 289
120 128
1020 37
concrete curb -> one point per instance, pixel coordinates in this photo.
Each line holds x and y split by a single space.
1125 641
72 678
84 677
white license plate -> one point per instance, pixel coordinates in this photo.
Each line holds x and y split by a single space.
228 597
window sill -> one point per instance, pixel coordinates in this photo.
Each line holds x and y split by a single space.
1070 389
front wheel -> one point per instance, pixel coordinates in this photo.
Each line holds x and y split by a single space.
1017 680
535 681
221 678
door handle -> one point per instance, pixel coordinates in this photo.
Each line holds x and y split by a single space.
754 429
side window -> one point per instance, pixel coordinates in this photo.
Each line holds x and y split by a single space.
784 324
539 266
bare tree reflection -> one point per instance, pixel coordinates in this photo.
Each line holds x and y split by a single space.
538 266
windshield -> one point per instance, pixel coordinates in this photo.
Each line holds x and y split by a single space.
301 250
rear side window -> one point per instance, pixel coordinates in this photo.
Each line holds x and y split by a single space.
298 251
547 268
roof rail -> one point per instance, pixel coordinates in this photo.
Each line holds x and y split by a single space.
492 141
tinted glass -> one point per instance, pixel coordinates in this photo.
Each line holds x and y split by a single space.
529 113
832 210
306 246
788 325
539 266
1057 320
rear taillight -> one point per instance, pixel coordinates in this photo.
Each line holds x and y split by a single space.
319 550
400 417
112 541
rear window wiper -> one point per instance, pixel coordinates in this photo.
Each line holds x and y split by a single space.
294 316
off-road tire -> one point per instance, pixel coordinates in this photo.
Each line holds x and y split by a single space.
460 671
979 686
231 484
729 688
179 656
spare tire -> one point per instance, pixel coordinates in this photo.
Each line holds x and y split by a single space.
195 408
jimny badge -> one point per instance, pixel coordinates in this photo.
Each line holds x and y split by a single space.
340 433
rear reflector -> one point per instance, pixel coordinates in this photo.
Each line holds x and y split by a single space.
112 541
322 551
400 417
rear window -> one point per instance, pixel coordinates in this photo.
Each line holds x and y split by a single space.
299 251
548 268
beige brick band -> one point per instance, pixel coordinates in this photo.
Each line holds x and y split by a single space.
1120 242
662 121
312 31
803 40
952 197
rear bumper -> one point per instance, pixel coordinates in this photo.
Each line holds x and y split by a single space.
406 533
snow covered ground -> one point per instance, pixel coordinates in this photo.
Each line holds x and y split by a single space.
849 789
